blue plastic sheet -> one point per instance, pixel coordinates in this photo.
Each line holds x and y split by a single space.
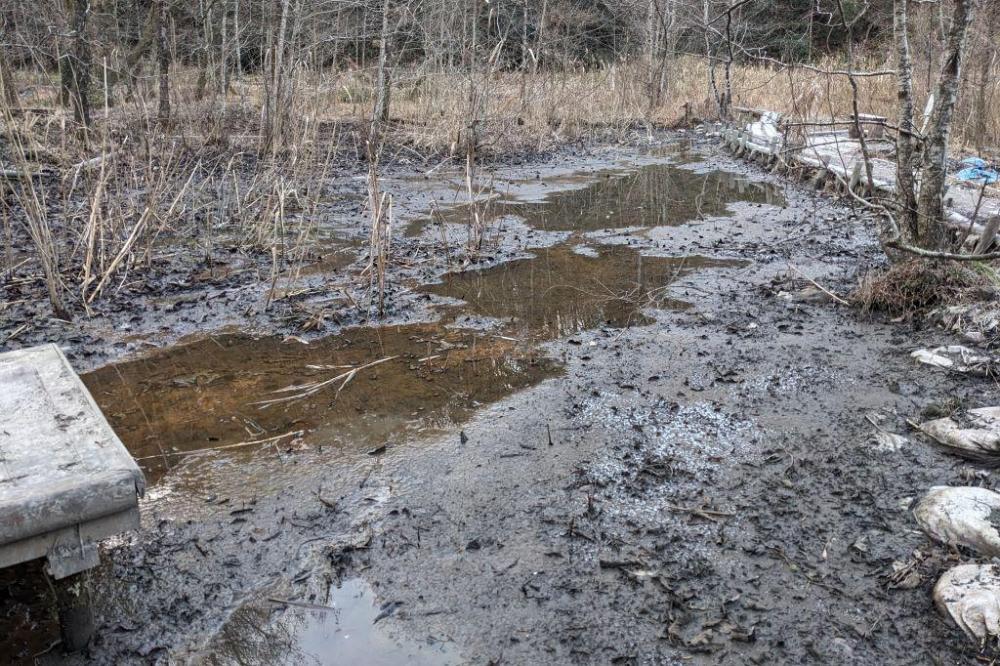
977 171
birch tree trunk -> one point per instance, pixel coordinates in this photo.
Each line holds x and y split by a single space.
906 140
383 84
934 168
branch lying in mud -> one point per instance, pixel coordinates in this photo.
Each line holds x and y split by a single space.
896 244
309 389
302 604
818 285
708 514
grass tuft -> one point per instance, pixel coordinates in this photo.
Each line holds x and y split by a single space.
916 286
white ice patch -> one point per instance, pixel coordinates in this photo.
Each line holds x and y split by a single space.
793 380
955 357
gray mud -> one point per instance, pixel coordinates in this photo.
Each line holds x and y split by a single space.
653 460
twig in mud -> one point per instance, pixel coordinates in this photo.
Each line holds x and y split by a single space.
302 604
16 332
818 285
804 569
707 514
268 440
310 389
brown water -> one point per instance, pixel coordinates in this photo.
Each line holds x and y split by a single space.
227 409
571 287
234 396
656 195
217 392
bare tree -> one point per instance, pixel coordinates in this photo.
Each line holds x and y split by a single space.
74 62
8 89
906 138
926 224
163 59
383 83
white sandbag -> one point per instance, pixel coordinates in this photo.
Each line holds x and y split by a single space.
970 595
955 357
961 516
983 435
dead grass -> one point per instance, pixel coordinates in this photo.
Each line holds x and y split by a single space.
916 286
101 222
516 112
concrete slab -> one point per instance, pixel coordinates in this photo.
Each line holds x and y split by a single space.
66 480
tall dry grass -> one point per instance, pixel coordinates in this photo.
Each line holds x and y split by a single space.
519 112
99 214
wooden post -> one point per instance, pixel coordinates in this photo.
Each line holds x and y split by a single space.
76 614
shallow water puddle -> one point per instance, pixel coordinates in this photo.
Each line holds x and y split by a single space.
654 195
346 630
570 287
357 390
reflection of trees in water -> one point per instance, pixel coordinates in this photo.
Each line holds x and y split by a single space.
561 291
658 195
653 196
252 638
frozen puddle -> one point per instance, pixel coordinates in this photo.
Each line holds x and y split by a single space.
349 629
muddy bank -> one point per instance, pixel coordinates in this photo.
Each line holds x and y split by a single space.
618 445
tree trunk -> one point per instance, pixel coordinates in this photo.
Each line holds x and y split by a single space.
934 169
987 58
906 140
8 91
383 85
163 61
727 95
74 63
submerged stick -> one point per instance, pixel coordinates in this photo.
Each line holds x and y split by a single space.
268 440
309 389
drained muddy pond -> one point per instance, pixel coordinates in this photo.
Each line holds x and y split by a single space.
236 396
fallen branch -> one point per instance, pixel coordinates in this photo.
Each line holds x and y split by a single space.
309 389
707 514
818 285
